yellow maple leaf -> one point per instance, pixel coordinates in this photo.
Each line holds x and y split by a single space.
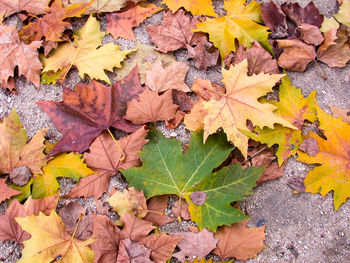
334 157
86 54
49 240
241 22
129 201
196 7
63 165
240 103
343 15
294 108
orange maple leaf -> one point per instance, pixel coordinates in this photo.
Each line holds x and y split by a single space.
334 157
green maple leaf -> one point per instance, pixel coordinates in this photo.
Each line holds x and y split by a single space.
166 170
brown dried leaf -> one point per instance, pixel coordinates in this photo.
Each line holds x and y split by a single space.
133 252
162 246
240 242
89 110
14 53
184 101
339 112
174 33
158 204
181 211
195 245
36 7
134 228
151 107
106 235
309 146
159 79
296 54
5 191
335 50
175 122
120 24
259 60
274 18
310 34
308 15
104 158
52 25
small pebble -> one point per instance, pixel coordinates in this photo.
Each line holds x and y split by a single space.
173 134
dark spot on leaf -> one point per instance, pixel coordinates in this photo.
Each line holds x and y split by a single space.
198 198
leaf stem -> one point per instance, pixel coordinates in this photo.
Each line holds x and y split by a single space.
76 227
155 212
320 69
179 217
122 158
254 154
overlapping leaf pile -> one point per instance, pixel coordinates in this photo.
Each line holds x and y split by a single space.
209 175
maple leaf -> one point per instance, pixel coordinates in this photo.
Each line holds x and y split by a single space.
5 191
120 24
166 170
33 7
105 158
334 157
50 240
294 108
144 57
129 201
16 54
196 7
106 236
239 23
10 229
283 21
99 6
205 90
161 245
135 228
343 15
296 54
14 149
87 54
130 252
51 26
195 244
159 79
239 103
64 165
259 60
240 242
86 112
339 112
151 107
175 33
298 15
335 50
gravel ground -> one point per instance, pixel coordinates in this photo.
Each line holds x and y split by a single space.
299 227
